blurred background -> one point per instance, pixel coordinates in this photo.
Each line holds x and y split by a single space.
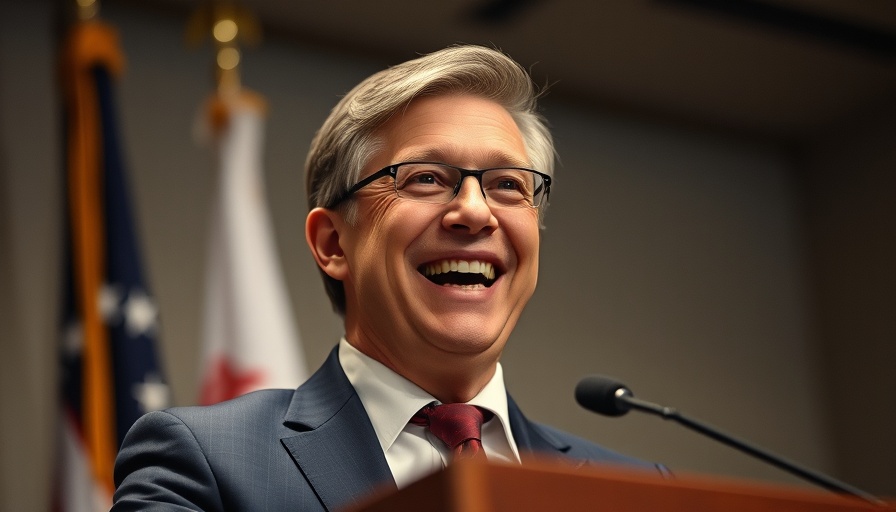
721 236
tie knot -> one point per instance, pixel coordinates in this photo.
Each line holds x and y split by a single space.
459 426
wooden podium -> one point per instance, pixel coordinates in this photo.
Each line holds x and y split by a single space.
479 487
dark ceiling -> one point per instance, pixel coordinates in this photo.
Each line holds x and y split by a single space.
776 69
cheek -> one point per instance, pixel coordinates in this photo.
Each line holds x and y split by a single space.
376 221
369 234
391 226
525 237
377 208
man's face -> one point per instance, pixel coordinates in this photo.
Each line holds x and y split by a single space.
395 313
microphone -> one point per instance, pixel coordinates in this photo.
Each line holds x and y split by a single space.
610 397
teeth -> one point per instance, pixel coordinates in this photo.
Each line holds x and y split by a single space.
463 266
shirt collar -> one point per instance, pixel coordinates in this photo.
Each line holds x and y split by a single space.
391 400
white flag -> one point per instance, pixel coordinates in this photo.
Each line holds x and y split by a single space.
250 340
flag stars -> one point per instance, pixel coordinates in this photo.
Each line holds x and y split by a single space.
151 394
140 313
73 339
136 309
109 302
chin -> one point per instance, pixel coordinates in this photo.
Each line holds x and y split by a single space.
470 339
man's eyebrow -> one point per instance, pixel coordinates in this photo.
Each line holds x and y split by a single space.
496 158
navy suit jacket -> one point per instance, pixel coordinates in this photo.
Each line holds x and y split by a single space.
309 449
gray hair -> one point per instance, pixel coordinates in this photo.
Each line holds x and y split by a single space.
348 138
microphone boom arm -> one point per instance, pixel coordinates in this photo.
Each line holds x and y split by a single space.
626 400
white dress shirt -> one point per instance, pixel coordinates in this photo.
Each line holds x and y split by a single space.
391 400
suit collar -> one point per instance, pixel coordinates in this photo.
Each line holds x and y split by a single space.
533 441
320 397
334 444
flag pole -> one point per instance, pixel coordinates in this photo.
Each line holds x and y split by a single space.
250 340
229 25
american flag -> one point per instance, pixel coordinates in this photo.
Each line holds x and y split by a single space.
111 370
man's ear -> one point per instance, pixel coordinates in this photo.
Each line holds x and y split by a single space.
322 232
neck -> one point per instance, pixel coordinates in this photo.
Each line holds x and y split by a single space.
455 387
448 377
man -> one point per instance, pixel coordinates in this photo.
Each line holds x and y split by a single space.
427 185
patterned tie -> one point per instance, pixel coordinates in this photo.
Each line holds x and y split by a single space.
459 426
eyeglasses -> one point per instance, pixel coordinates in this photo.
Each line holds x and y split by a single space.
438 183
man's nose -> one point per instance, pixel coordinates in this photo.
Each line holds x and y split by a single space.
470 209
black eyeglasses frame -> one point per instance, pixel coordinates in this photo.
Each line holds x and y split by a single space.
392 170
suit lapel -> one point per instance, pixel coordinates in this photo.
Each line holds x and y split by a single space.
334 444
532 441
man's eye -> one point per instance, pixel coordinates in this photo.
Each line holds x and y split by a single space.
423 179
509 185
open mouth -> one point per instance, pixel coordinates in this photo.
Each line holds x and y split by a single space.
460 273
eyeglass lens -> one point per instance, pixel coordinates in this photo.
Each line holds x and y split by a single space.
435 183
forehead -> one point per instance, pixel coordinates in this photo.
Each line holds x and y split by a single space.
460 129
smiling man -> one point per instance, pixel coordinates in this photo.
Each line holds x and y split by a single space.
427 186
411 260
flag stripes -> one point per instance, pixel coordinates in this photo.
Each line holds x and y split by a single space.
110 372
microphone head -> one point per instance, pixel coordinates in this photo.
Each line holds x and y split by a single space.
602 394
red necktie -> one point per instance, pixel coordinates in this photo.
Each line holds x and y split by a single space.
459 426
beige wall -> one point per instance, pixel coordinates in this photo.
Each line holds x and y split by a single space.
677 261
29 241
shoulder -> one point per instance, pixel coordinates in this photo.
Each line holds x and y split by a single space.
579 447
252 407
197 457
541 439
259 414
591 453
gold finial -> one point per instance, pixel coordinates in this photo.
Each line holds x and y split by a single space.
228 24
87 9
225 16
